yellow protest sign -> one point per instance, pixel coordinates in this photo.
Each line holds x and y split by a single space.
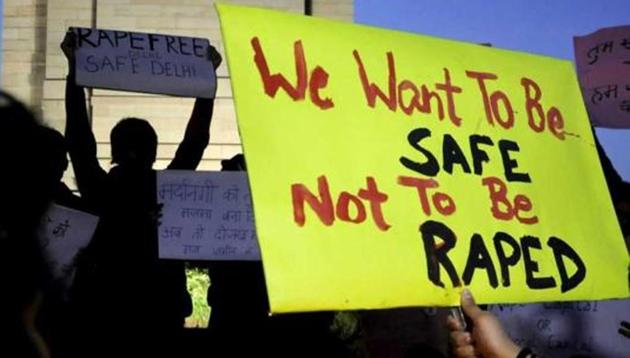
389 169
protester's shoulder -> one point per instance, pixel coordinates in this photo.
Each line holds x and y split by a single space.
65 197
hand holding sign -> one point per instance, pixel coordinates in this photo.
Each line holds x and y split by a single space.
68 46
487 338
215 57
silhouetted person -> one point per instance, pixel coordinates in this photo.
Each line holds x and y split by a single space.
57 162
53 319
619 192
613 179
138 302
26 189
238 300
240 312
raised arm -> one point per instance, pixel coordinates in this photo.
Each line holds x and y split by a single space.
197 135
81 142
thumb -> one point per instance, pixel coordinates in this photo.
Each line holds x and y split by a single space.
469 306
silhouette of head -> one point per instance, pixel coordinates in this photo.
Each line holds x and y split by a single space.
56 157
25 192
234 164
134 143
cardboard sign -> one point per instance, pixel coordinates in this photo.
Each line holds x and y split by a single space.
567 329
63 233
603 65
389 169
206 216
142 62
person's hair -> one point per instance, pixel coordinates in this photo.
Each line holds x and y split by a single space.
236 163
25 184
56 157
26 189
134 142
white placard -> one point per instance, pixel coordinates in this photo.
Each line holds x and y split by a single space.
603 67
143 62
206 216
564 329
63 233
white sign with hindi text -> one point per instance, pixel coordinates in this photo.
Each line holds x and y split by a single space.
206 216
603 66
565 329
63 233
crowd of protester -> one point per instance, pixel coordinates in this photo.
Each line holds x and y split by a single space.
105 312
